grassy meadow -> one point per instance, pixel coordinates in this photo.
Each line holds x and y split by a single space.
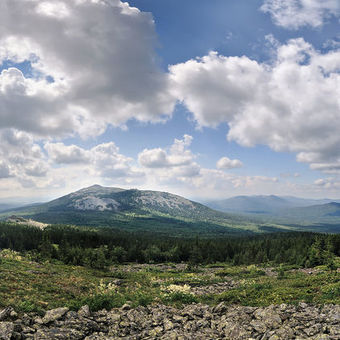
30 286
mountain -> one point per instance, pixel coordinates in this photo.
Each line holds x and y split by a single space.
251 204
270 205
321 215
116 200
165 213
139 211
4 206
7 206
326 211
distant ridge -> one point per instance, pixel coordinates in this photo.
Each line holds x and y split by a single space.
285 209
137 210
169 214
264 204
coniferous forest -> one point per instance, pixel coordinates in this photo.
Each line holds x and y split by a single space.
99 248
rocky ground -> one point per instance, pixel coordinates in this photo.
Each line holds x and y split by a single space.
196 321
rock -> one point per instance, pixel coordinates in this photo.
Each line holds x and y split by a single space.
335 331
178 318
274 337
313 330
13 314
5 313
156 331
84 311
54 314
6 330
126 306
170 336
269 317
195 321
26 320
99 336
113 317
235 332
168 325
58 334
38 321
259 326
285 332
220 308
16 336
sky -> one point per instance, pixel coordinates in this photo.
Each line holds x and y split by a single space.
207 99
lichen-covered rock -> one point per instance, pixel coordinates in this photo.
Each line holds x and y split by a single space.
58 334
269 317
54 314
5 313
195 321
84 311
6 330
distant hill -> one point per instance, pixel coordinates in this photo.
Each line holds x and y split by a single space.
251 204
271 205
139 210
328 210
165 213
8 206
317 214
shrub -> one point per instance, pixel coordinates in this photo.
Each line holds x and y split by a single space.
177 293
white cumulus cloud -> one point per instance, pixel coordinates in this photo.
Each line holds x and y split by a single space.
21 156
93 63
62 154
102 161
293 14
290 104
227 163
177 155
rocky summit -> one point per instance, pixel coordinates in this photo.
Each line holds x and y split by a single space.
196 321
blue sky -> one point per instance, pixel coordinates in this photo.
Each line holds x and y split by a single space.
207 99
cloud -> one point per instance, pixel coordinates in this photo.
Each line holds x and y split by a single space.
103 160
110 163
56 169
71 154
176 169
293 14
21 156
4 170
290 104
330 183
92 63
227 163
178 155
327 168
153 158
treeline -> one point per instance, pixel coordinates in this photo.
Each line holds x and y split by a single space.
98 248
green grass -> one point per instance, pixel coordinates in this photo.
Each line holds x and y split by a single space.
30 286
241 272
320 288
